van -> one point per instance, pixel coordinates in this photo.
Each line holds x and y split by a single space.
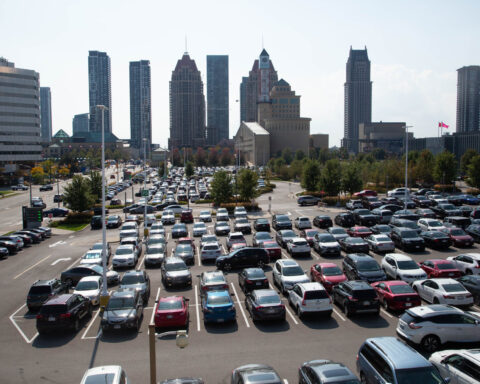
383 360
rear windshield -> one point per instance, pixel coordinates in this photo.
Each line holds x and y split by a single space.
326 239
435 224
120 303
300 243
283 218
337 231
408 318
263 235
364 294
212 247
183 248
53 309
453 287
270 245
86 285
171 267
401 289
315 295
256 273
458 232
269 299
332 271
133 279
40 290
218 300
123 251
214 278
409 234
445 266
173 304
101 378
427 375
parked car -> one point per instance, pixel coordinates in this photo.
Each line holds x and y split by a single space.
458 221
426 213
338 233
354 245
175 273
217 306
384 215
359 231
326 245
265 304
185 252
298 246
327 274
458 366
322 221
302 222
440 268
354 204
310 298
436 239
252 278
356 297
138 281
199 229
273 249
365 217
359 266
251 372
115 373
92 257
281 222
243 258
205 216
114 221
212 281
242 225
459 237
186 216
42 290
407 239
325 371
471 284
380 243
56 212
443 291
210 251
126 255
72 276
343 219
235 238
308 200
261 225
402 267
172 311
260 237
222 228
96 222
89 287
467 263
396 295
287 273
124 311
474 231
284 236
309 235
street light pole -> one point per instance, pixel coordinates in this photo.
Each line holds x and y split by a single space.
58 191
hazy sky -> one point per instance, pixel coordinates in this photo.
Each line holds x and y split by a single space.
415 48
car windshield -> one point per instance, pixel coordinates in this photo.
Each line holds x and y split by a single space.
368 266
97 269
444 266
199 225
204 213
337 231
401 289
409 234
242 221
207 239
255 274
101 378
326 239
98 246
448 207
457 232
453 287
86 285
311 233
382 238
155 250
124 251
407 264
289 234
270 245
214 278
262 236
210 247
435 224
168 305
218 300
283 218
183 248
120 303
332 271
156 240
92 255
355 240
172 267
132 279
427 375
293 271
269 299
113 218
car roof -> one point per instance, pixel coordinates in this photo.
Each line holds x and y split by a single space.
265 292
358 284
105 369
171 298
91 278
434 309
314 286
358 256
399 256
60 299
123 293
134 272
446 280
287 263
331 371
295 239
124 246
218 293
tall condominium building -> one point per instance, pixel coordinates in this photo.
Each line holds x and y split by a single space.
80 123
20 139
140 106
187 105
257 88
46 114
358 97
217 99
243 99
468 99
99 90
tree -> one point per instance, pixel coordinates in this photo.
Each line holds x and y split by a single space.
351 180
424 167
330 177
64 171
445 168
38 174
247 181
311 175
226 157
296 169
466 159
176 157
76 195
189 170
287 155
221 188
299 155
473 171
95 184
200 157
213 157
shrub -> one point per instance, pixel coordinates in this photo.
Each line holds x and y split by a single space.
204 201
266 189
77 218
473 191
248 206
115 206
446 188
333 200
312 193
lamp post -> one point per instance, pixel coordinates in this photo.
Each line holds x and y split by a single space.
406 164
104 294
58 190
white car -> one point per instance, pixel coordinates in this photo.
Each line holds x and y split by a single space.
402 267
199 229
310 298
125 256
302 222
430 225
168 217
92 257
398 192
443 291
468 263
298 246
90 287
113 373
150 219
240 212
287 273
205 216
210 251
380 243
222 214
462 366
430 326
177 209
208 239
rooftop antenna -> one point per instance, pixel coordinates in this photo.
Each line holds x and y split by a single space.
186 50
262 42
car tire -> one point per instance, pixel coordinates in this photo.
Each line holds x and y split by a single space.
227 267
468 272
436 301
385 305
430 343
283 290
299 312
90 312
363 379
346 311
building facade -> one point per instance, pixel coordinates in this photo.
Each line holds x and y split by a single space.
468 99
46 114
253 142
243 99
140 106
187 106
217 99
319 140
20 135
99 90
80 123
358 97
387 136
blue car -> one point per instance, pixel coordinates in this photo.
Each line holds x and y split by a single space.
218 307
469 199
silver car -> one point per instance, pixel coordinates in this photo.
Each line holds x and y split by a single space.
175 272
125 256
199 229
287 273
380 243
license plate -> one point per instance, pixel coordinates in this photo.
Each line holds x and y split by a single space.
169 316
417 246
366 303
450 274
116 326
258 283
51 318
408 304
220 320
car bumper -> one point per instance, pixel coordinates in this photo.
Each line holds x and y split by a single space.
173 322
112 326
178 282
120 264
153 261
403 305
300 254
329 251
219 318
263 315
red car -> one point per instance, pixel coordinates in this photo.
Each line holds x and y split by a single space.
440 268
308 234
236 246
171 311
186 216
273 249
365 192
359 231
396 295
327 274
459 237
188 240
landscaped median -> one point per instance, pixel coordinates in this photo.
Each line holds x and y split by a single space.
75 221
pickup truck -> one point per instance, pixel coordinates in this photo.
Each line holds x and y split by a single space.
19 187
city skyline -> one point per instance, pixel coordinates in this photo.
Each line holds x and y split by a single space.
414 66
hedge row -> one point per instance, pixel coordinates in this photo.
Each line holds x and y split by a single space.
336 200
248 206
446 188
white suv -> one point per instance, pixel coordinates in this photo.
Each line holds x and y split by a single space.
468 263
430 326
460 365
303 222
287 273
298 246
402 267
430 225
309 298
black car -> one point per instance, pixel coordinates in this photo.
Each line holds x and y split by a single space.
381 229
472 285
114 221
355 297
422 201
97 211
455 200
252 278
265 304
436 239
407 239
175 272
405 223
359 266
425 213
57 198
474 231
371 202
11 246
406 214
281 222
179 230
466 210
307 200
354 245
141 209
283 236
344 219
56 212
261 225
322 221
364 217
243 258
252 372
34 237
138 281
42 290
124 311
46 187
72 276
444 210
63 312
96 222
129 207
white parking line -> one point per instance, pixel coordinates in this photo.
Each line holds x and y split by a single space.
338 314
32 266
198 255
240 305
89 325
314 255
224 250
285 381
156 299
290 314
476 307
196 308
285 255
168 235
18 327
386 313
142 261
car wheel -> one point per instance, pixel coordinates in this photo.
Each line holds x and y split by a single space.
346 311
468 272
90 311
385 305
436 301
430 343
363 379
227 266
282 288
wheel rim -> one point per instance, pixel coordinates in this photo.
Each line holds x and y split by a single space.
363 379
430 343
228 267
385 304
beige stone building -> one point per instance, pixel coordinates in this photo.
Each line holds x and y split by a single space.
387 136
253 142
319 140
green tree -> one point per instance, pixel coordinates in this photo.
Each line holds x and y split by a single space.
311 175
221 188
247 184
466 159
351 179
287 155
95 184
445 168
296 169
200 157
424 167
189 170
330 177
299 155
77 194
473 171
213 157
279 163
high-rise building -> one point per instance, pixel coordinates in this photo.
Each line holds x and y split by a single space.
80 123
468 99
358 97
243 99
257 87
187 105
217 99
46 114
140 106
99 90
19 116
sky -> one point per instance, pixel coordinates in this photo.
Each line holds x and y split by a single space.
415 48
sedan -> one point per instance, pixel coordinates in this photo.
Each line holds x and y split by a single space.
242 225
125 256
443 291
326 245
199 229
114 221
338 233
261 225
212 281
92 258
265 304
426 213
309 235
217 306
302 222
73 275
381 229
459 237
185 252
252 278
380 243
440 268
359 231
123 311
327 274
396 295
260 237
172 311
354 245
222 228
322 221
436 239
325 371
205 216
273 249
56 212
474 231
284 236
89 287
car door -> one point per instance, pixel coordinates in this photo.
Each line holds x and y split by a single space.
276 273
389 265
348 268
295 295
468 328
428 267
381 289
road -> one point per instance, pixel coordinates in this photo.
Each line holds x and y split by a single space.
213 350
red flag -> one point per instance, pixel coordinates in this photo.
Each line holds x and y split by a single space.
442 125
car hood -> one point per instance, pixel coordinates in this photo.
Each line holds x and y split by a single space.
296 279
136 287
331 244
118 314
175 274
91 293
124 257
90 261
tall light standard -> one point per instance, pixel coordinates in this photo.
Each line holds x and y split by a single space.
406 163
104 295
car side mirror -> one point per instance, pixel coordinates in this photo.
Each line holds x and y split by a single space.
447 379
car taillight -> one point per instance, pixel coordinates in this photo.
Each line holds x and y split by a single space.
248 281
39 316
225 286
469 295
29 297
65 315
412 325
351 298
258 307
303 302
265 281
